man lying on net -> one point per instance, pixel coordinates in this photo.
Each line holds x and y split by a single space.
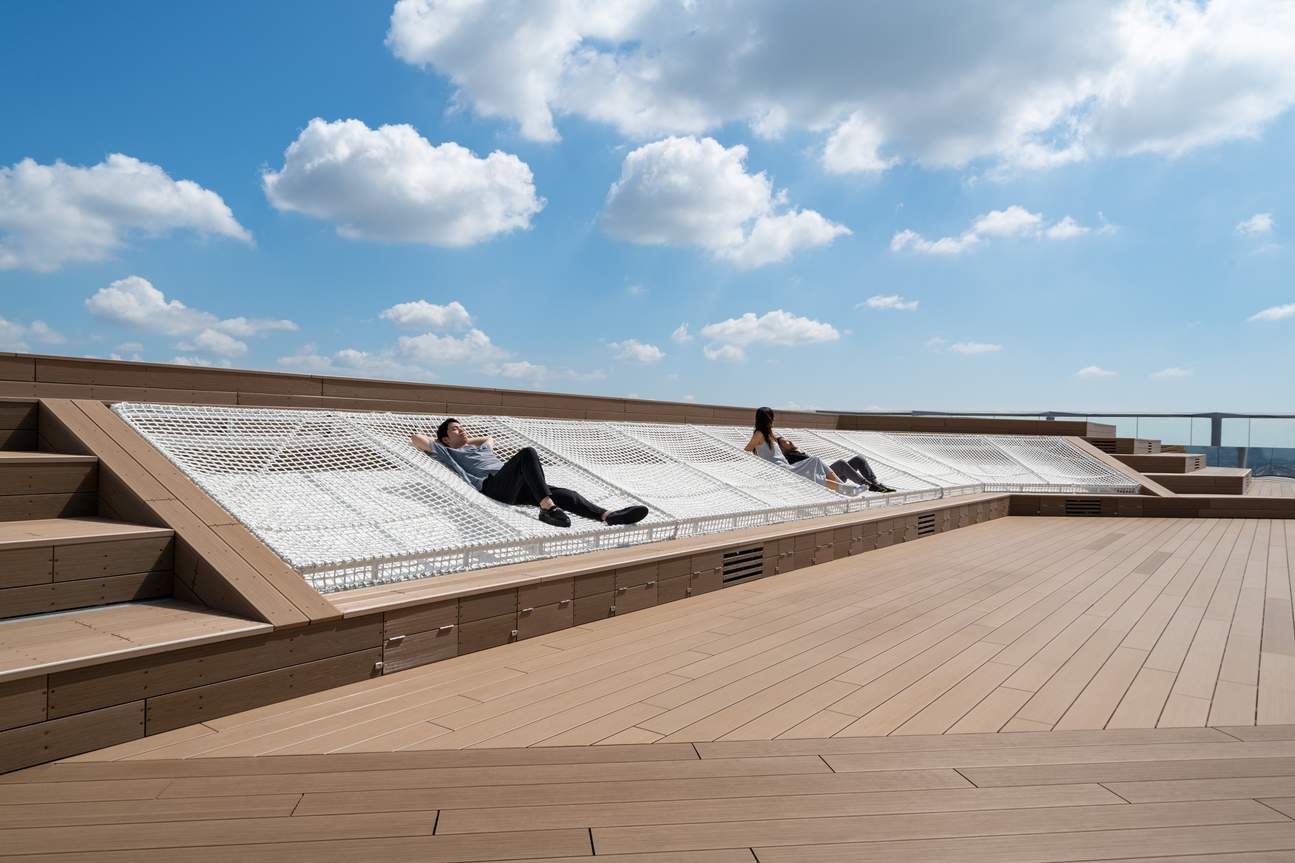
519 481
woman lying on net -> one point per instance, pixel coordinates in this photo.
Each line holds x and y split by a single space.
765 443
856 469
519 481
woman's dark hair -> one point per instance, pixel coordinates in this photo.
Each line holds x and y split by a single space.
444 428
764 423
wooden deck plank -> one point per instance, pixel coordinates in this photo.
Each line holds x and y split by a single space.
883 828
1088 845
770 808
677 790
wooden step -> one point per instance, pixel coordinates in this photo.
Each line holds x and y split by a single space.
1129 445
62 563
1164 462
1209 480
38 485
18 424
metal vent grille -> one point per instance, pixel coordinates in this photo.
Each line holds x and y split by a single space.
926 524
742 563
1105 444
1081 506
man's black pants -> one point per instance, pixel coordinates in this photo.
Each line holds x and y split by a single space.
521 481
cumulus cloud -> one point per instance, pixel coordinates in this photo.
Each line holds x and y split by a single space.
391 184
51 215
203 362
892 302
634 351
214 342
681 334
449 340
1013 222
726 353
133 302
1067 81
853 147
434 349
1095 372
975 348
354 363
730 338
423 315
1274 313
15 336
1171 372
1260 224
691 192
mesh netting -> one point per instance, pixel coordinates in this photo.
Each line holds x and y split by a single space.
347 501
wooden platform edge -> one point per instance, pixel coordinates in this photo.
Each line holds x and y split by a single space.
1148 486
138 485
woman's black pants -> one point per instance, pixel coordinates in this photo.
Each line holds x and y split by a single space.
521 481
856 470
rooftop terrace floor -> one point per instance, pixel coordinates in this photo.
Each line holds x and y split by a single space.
1028 689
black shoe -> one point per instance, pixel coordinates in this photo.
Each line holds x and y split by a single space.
627 515
555 517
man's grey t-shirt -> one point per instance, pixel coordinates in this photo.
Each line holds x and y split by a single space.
474 462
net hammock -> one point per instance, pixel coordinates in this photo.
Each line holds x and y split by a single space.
347 501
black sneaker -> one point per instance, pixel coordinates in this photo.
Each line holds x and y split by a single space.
627 515
555 517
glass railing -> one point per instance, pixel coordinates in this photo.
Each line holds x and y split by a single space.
1265 444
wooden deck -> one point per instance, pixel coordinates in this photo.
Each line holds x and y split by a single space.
861 709
1272 486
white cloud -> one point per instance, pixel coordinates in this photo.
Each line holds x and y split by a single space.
134 302
11 336
1171 372
51 215
15 336
521 370
1065 229
1095 372
352 362
1013 222
890 301
423 315
727 353
130 347
772 328
632 350
1274 313
1257 225
419 357
248 327
936 343
391 184
214 342
432 349
853 146
1071 80
690 192
975 348
200 361
681 334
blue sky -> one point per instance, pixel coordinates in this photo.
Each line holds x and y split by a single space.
1112 184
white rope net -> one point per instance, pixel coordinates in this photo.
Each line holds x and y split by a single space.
347 501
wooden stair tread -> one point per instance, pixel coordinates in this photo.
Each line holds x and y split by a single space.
24 457
60 641
33 533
